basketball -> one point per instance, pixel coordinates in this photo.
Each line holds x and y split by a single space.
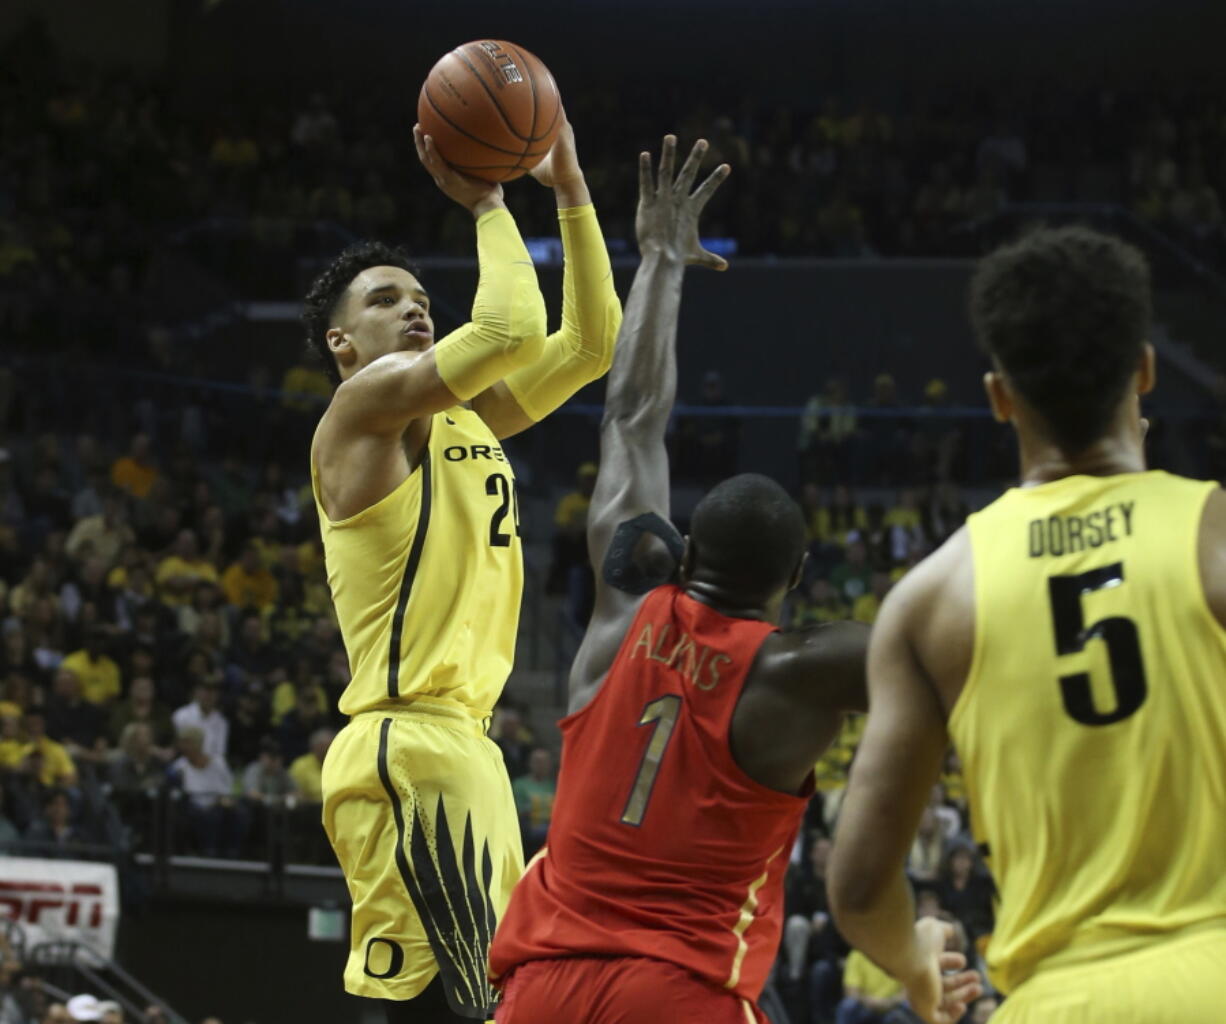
492 108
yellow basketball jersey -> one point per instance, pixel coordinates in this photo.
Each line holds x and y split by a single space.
427 581
1092 727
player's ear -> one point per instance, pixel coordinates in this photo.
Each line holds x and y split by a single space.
1147 370
998 396
342 348
799 574
687 560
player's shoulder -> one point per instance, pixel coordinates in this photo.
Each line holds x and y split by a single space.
822 664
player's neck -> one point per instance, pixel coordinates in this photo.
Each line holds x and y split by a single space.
719 598
1044 461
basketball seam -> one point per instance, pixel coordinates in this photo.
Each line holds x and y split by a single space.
462 130
494 99
531 85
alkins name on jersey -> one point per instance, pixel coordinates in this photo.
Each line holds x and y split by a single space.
698 664
1067 535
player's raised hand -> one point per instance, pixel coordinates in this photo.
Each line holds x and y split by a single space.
941 993
561 164
667 219
472 193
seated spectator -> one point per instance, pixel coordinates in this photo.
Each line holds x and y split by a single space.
74 721
868 605
203 606
215 821
203 714
9 833
868 992
569 532
142 706
140 766
101 536
846 515
251 656
55 829
88 586
513 738
299 724
135 472
966 893
181 570
266 779
928 850
97 672
811 942
820 603
248 584
853 577
43 757
307 770
827 429
248 724
534 795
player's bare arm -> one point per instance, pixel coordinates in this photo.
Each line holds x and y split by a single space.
807 680
373 431
1213 554
633 477
582 350
898 761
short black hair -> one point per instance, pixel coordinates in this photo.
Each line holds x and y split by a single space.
1065 313
326 291
749 533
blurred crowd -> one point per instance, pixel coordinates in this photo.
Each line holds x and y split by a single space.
100 170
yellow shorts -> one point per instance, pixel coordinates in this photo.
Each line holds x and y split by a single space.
419 810
1177 981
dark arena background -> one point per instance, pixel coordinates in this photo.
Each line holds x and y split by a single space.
172 175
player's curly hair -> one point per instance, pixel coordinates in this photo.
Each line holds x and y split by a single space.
749 533
1065 313
326 290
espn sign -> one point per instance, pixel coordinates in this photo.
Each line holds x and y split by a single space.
62 900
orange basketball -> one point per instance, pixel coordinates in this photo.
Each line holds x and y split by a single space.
492 108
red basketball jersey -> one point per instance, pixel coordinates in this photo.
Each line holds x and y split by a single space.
660 845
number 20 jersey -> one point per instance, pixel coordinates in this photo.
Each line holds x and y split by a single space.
427 582
1092 726
660 845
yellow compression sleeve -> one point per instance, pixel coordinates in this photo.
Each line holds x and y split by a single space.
508 325
582 350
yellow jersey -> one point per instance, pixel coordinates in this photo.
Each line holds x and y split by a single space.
427 581
1092 726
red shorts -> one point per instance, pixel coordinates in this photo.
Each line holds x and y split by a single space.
616 990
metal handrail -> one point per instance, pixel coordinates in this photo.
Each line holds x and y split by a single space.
97 971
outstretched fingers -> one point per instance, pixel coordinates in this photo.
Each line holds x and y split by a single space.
706 190
689 170
668 157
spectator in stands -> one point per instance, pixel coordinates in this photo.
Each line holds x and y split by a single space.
853 577
74 721
844 515
301 721
101 536
203 714
966 892
927 854
513 737
55 829
821 603
98 674
140 766
307 770
44 758
251 653
868 605
248 584
534 794
216 822
945 513
265 779
812 945
142 706
56 1013
9 833
135 472
180 571
828 428
249 724
868 992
